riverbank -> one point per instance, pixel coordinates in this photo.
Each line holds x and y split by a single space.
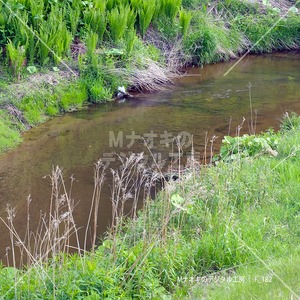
221 232
97 55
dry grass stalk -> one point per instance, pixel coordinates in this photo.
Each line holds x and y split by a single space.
54 229
150 77
99 176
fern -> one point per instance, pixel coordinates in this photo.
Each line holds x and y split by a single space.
17 58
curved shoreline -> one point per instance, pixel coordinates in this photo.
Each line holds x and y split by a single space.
195 35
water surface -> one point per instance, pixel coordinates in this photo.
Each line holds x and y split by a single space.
201 101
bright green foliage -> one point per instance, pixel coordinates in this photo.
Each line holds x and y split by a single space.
94 19
171 8
73 97
248 145
269 32
16 57
259 282
117 20
57 23
145 13
91 43
237 7
74 18
99 93
210 41
130 41
185 18
55 36
9 137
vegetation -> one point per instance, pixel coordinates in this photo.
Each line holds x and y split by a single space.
238 219
97 45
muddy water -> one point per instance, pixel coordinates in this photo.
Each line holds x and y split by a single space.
201 101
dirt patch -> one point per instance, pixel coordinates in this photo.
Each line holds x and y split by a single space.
282 5
16 114
34 83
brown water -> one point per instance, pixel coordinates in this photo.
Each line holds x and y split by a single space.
202 101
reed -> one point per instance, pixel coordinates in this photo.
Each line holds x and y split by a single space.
54 231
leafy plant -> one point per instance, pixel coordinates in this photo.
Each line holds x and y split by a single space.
95 19
185 18
117 20
31 69
248 145
17 58
91 43
171 8
145 13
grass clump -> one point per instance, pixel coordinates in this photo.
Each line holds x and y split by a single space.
73 97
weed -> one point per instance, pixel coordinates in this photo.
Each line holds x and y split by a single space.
74 97
145 14
185 18
16 58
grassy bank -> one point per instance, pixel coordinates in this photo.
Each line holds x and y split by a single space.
51 50
225 232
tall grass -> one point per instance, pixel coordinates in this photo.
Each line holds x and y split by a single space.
95 19
117 20
112 20
145 13
185 18
16 57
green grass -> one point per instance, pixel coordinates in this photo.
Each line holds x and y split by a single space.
275 279
9 136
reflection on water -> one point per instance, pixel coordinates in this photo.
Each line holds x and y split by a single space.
201 101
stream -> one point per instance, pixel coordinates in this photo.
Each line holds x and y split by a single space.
202 103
